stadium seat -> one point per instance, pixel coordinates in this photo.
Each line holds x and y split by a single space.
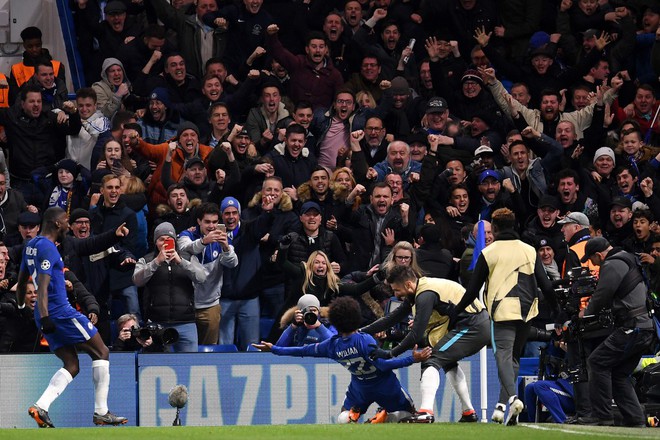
218 348
251 348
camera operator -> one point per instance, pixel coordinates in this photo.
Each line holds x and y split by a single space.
126 341
305 324
620 287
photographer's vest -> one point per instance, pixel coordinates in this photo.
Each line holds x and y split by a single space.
511 290
23 73
447 291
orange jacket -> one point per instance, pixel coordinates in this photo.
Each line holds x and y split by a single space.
156 153
23 73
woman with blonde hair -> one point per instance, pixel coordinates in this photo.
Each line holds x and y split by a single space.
402 254
316 277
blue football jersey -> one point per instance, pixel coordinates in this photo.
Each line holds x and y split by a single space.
40 256
353 353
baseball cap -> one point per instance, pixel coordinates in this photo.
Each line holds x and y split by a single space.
192 161
309 205
624 202
28 218
575 217
590 33
489 173
549 202
114 7
484 149
436 105
596 244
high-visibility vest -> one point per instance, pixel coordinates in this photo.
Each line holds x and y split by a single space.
4 91
23 73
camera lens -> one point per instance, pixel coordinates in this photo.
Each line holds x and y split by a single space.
310 318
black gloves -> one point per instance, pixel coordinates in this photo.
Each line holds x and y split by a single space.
47 326
286 240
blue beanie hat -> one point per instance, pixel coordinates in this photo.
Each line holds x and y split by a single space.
230 202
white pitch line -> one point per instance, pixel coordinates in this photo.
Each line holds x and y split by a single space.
634 434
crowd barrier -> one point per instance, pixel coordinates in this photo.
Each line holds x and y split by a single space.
224 389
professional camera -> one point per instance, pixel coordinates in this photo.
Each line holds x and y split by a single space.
309 316
537 334
571 291
156 331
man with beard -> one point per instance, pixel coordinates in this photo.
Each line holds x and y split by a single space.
376 228
332 128
187 145
374 144
530 177
406 112
262 120
492 197
303 114
544 223
619 227
293 162
398 161
181 86
144 55
315 77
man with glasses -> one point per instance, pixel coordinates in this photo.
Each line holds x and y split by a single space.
333 127
374 144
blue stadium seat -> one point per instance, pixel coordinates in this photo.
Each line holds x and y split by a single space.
217 348
251 348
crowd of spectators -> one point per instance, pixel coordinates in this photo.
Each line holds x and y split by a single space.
257 133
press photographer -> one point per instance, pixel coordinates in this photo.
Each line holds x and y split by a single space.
306 324
622 289
129 337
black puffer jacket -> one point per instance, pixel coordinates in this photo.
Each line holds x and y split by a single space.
169 295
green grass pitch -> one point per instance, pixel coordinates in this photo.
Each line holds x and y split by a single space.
444 431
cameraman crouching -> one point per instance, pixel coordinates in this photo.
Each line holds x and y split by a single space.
621 287
126 341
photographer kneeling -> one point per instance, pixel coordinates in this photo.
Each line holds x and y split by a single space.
621 287
127 340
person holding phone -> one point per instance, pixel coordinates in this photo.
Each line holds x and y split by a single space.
168 282
209 245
